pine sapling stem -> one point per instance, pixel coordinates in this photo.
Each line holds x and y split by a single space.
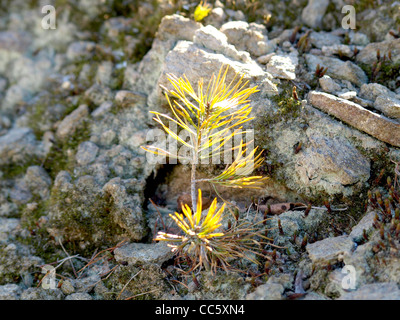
193 186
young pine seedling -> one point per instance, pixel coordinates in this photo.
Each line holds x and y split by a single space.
201 11
212 117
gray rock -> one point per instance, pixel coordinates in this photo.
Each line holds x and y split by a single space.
86 284
104 73
31 74
322 38
63 181
374 291
235 14
321 128
284 279
314 296
85 75
294 222
329 85
38 181
91 8
176 27
14 41
79 296
80 50
71 122
8 229
313 13
143 77
126 98
269 88
10 292
117 206
366 223
359 38
5 122
313 221
283 67
98 94
216 17
116 26
371 91
213 39
248 37
59 38
348 95
329 250
104 107
331 161
17 260
127 213
283 36
360 259
226 286
290 222
352 96
265 58
87 152
334 287
368 54
7 209
268 291
67 287
109 137
338 49
338 69
142 253
14 95
42 294
20 193
195 62
18 145
389 106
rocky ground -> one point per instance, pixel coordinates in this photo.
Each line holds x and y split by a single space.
74 111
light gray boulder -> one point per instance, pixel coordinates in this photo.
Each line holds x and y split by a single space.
313 13
388 105
338 69
329 250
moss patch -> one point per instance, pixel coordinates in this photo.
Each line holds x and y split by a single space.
83 219
62 154
385 73
148 284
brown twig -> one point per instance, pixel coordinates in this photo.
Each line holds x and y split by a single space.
161 218
141 294
70 260
94 260
126 284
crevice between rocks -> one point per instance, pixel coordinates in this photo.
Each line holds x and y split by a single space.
158 177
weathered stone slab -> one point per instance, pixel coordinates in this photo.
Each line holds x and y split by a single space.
329 250
376 125
142 253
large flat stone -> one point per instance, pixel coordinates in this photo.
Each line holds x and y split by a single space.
376 125
368 54
374 291
338 69
365 224
329 250
143 253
